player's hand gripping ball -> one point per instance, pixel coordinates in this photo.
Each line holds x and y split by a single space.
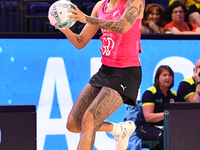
59 16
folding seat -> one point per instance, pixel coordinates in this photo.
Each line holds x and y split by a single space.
10 17
163 3
146 2
87 8
37 16
80 27
81 1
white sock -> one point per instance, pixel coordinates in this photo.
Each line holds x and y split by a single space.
116 129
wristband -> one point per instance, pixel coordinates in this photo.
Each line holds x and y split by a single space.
198 82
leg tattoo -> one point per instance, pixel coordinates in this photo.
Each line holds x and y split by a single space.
105 104
83 101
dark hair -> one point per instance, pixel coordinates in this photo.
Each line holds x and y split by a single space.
177 4
169 10
159 71
148 9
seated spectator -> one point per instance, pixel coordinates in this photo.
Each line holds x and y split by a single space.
178 25
150 120
167 12
187 90
152 22
193 9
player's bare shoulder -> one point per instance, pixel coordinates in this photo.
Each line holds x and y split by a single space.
137 5
97 8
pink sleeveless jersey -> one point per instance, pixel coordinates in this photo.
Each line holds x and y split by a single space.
120 50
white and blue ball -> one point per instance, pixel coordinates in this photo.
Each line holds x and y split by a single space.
59 16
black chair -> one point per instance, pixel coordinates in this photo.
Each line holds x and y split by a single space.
87 8
10 17
81 1
163 3
37 18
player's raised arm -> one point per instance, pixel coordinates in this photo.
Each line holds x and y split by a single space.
87 33
133 11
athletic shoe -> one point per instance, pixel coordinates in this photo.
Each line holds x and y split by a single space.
128 128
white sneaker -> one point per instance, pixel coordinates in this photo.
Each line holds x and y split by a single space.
128 128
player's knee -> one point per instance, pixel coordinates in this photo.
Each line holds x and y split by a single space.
72 126
87 121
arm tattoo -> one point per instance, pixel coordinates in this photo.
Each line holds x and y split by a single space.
131 14
78 39
105 24
118 26
108 25
140 9
143 2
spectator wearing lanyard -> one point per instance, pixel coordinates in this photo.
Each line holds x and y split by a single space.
188 88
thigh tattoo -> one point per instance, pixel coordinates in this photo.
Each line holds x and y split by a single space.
104 105
82 103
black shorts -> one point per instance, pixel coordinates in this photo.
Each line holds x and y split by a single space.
124 80
192 9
